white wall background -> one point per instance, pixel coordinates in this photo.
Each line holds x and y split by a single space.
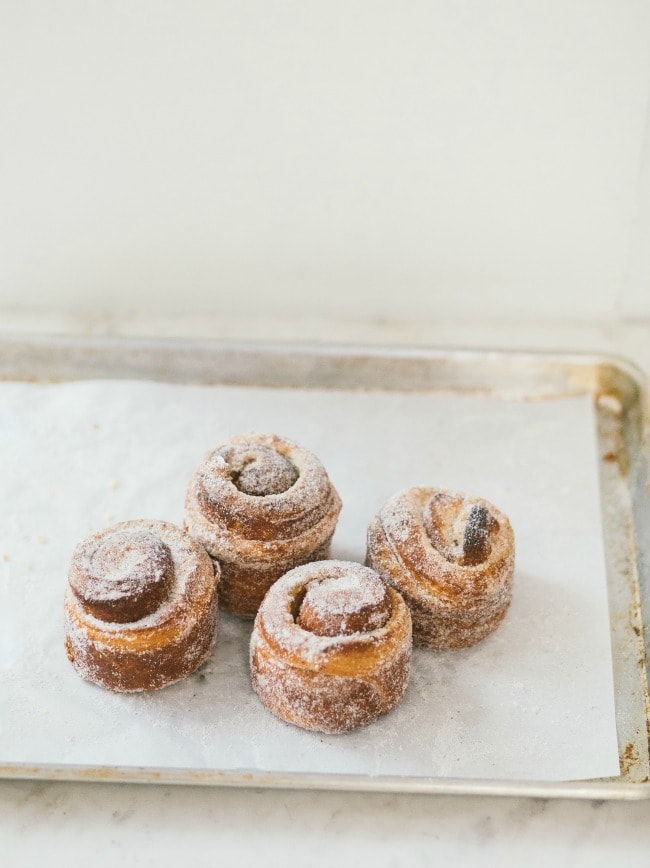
347 157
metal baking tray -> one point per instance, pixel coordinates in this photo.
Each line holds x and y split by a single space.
620 397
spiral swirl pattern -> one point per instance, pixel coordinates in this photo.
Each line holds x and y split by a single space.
331 647
260 505
452 558
140 607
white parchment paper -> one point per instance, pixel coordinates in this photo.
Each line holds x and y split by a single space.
533 701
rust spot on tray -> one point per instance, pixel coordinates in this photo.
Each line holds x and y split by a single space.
610 456
628 758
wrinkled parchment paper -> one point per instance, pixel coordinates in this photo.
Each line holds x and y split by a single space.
533 701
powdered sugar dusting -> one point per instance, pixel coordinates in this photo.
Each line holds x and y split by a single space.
352 603
280 621
257 468
308 622
141 654
417 544
260 533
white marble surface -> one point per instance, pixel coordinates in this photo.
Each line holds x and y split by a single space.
135 825
107 824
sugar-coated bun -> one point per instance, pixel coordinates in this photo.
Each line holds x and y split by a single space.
140 606
331 647
260 504
452 558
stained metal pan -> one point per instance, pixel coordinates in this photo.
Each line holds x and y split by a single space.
619 393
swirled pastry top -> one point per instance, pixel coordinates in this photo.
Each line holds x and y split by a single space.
460 548
261 497
139 583
336 616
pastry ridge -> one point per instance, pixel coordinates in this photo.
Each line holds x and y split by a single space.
158 646
256 538
330 683
455 603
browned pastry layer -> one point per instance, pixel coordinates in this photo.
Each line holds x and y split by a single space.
260 505
451 557
140 607
331 647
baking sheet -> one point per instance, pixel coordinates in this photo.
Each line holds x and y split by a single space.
533 702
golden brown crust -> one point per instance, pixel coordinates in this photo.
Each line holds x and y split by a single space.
242 589
122 631
451 557
331 680
255 536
